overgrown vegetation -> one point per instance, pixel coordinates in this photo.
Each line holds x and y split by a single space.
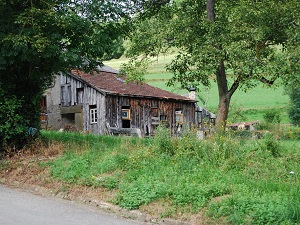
38 41
233 179
294 111
13 124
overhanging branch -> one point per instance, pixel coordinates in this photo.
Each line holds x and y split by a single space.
234 86
266 81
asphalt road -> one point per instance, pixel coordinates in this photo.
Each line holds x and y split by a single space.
19 207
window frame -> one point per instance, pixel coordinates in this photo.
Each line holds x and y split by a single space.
93 115
126 116
179 116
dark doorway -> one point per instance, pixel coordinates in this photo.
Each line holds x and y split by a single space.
126 123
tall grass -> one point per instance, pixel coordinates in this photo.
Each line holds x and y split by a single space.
239 180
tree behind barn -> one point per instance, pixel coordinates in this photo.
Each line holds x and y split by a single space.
37 40
236 43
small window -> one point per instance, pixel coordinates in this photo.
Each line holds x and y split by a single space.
64 79
154 111
93 114
179 116
79 97
62 95
69 95
125 114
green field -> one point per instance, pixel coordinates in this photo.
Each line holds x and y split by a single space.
252 104
157 67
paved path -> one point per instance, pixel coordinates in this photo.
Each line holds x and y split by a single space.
19 207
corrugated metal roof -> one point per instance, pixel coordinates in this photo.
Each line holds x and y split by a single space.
108 81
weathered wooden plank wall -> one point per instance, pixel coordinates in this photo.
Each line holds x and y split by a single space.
143 109
145 113
92 97
73 90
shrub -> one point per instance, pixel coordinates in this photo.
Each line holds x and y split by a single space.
13 129
272 116
289 133
19 112
163 141
294 111
272 145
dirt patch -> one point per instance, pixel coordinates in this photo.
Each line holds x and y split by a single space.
25 170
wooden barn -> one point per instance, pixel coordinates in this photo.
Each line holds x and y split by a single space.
103 103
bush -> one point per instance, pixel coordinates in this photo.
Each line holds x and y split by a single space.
163 141
13 129
20 105
289 133
272 116
271 144
294 111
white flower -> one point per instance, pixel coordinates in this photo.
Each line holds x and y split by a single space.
292 172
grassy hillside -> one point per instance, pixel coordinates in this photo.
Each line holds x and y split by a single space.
252 105
228 179
157 67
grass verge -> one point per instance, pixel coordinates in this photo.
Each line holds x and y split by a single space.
232 179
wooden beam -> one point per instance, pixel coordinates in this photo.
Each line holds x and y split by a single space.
71 109
129 131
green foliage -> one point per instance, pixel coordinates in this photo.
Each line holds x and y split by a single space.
117 50
241 43
134 70
4 164
163 140
293 206
289 133
13 127
87 158
86 141
241 181
251 210
41 38
271 144
294 111
236 114
272 116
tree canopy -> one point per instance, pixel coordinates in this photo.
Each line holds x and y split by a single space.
235 43
41 38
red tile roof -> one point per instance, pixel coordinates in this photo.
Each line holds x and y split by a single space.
108 81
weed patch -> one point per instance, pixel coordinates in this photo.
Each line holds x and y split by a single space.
259 177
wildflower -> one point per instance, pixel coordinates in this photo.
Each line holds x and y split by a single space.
292 172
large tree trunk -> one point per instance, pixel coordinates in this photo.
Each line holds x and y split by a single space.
224 93
210 9
224 96
223 110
